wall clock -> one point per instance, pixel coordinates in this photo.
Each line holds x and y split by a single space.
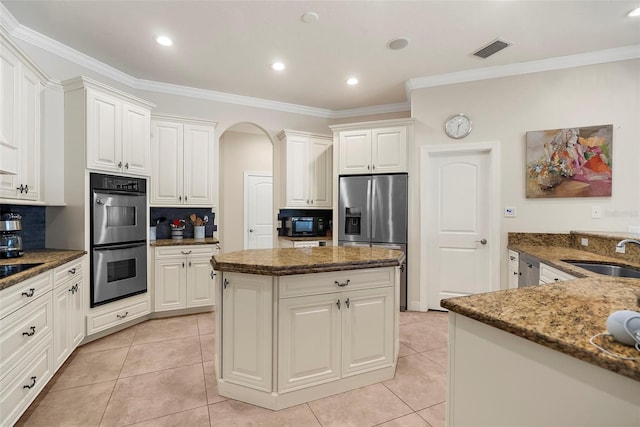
458 126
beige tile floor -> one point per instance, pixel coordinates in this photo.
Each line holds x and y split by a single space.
160 373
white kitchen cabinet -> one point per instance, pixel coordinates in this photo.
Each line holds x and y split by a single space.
183 277
247 312
116 129
549 274
68 310
513 260
118 312
352 332
21 88
373 147
306 160
183 162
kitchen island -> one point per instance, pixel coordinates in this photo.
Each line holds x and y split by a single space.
295 325
523 357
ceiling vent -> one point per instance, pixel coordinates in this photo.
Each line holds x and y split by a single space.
493 47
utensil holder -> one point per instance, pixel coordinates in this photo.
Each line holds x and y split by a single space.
198 231
177 233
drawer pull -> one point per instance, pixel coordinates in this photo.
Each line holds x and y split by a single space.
225 283
32 385
74 289
342 285
186 253
347 303
30 293
72 271
32 331
338 304
126 313
212 274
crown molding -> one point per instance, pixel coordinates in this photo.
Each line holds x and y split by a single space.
551 64
7 21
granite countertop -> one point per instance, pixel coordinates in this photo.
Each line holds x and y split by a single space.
288 261
306 239
562 316
184 242
50 258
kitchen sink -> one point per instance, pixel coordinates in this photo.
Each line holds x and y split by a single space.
606 268
10 269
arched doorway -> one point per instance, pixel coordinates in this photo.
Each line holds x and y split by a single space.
246 154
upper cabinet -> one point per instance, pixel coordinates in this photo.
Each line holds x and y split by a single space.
117 128
373 147
306 160
21 88
183 162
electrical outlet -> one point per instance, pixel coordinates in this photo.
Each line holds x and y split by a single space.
596 212
510 212
584 242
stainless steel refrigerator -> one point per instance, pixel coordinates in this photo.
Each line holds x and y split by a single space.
373 212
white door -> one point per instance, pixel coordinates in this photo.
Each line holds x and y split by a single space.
460 238
258 202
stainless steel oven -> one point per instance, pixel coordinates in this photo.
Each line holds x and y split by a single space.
118 237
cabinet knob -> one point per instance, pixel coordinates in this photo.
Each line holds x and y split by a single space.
119 164
126 165
212 274
512 258
373 167
189 264
347 303
26 189
180 198
368 167
21 188
182 264
338 304
225 283
185 198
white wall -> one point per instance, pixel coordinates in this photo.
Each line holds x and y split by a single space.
239 152
504 109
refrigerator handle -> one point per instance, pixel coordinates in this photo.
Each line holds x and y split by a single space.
373 209
368 206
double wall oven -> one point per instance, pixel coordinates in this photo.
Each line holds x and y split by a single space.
118 237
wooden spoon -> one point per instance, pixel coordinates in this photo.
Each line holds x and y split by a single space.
192 217
198 221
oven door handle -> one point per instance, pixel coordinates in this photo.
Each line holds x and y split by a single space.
120 247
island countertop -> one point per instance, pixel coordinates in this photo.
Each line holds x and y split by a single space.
562 316
289 261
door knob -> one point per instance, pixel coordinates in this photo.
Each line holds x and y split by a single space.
482 241
251 230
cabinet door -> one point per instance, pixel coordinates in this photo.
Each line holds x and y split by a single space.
76 313
200 284
170 284
9 114
513 269
198 165
309 341
389 150
104 132
355 152
167 160
62 302
320 172
247 330
136 140
297 171
367 330
31 90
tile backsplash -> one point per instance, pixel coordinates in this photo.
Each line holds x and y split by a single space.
33 224
163 230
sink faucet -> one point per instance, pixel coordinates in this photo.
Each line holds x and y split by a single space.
622 243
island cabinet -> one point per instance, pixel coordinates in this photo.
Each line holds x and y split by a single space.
290 339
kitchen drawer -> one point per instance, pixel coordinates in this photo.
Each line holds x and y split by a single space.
118 312
16 296
549 274
24 329
21 386
180 251
321 283
67 271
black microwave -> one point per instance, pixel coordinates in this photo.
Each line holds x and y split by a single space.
305 226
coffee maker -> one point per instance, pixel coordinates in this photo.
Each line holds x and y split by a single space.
10 239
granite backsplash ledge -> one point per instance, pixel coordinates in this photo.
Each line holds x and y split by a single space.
600 243
163 230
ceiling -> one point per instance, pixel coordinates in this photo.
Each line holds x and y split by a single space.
228 46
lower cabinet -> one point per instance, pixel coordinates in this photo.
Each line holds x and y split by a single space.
115 313
290 339
68 310
549 274
513 260
183 277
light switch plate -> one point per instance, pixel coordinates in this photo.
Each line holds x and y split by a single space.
596 212
510 212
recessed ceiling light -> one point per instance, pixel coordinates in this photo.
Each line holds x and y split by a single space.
309 17
278 66
397 44
352 81
164 41
635 12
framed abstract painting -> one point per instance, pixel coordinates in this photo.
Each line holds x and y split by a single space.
571 162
